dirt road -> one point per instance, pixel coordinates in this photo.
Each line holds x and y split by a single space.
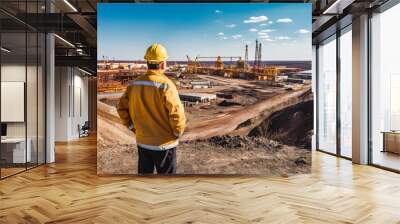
229 121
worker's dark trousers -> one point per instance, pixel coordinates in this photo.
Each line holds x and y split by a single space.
164 161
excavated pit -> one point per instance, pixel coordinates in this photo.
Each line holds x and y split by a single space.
291 126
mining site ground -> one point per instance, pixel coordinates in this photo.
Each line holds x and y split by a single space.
253 128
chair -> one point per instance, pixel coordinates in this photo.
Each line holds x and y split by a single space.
84 130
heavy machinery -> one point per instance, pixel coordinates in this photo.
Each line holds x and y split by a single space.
241 65
240 69
191 65
219 61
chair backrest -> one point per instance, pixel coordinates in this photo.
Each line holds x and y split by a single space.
86 125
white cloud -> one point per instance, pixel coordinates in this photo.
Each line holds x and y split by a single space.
283 38
284 20
302 31
263 24
266 38
218 11
224 38
253 30
256 19
220 34
231 25
267 30
237 36
262 33
271 22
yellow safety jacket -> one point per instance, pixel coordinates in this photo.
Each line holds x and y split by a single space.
152 109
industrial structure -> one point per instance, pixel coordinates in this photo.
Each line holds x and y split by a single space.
189 99
114 75
239 68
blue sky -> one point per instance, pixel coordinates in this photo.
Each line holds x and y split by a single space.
126 30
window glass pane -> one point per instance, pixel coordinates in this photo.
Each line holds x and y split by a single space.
32 86
22 87
13 87
346 94
327 96
385 84
41 98
31 97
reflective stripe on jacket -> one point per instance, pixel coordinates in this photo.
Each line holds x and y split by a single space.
152 108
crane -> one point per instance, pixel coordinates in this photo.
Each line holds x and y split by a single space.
246 54
255 55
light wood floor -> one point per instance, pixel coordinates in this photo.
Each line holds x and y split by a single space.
387 159
69 191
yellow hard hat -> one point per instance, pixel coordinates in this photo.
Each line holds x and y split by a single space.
156 53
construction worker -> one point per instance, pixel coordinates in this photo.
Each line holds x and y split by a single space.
152 109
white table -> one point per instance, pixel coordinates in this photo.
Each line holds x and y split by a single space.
18 144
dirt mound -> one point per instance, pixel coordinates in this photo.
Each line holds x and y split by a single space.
110 127
227 141
241 155
291 126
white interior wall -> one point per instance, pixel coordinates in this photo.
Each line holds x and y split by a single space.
61 103
70 83
82 83
17 72
12 73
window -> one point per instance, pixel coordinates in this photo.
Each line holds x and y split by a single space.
327 96
22 77
385 89
346 92
334 137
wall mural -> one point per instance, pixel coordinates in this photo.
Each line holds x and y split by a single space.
204 89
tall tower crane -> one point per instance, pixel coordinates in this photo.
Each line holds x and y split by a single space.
246 54
259 56
255 55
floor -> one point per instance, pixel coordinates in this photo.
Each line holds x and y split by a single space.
70 191
5 172
386 159
10 171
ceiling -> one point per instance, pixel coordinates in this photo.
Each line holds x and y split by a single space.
73 21
331 15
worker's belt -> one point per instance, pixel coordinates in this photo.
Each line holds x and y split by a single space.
149 83
161 147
